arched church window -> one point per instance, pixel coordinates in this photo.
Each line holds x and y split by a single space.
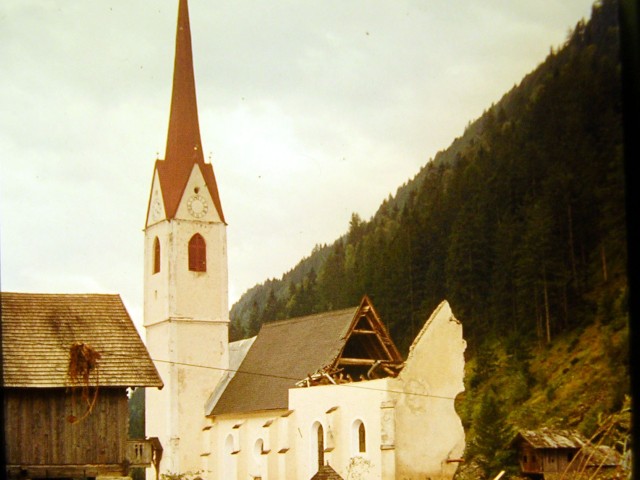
230 470
359 437
156 255
319 434
197 254
362 440
258 451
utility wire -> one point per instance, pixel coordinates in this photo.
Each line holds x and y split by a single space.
271 375
282 377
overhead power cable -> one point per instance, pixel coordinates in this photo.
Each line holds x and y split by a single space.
283 377
271 375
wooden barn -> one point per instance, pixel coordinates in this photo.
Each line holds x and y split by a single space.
67 362
546 452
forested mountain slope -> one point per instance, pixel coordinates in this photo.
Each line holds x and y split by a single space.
516 224
520 225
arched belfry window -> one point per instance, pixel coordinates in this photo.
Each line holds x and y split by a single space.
156 255
197 254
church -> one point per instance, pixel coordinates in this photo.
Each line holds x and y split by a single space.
322 396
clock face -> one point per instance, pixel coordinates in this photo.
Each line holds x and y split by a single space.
197 206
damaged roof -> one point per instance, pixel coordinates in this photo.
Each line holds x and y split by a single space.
288 351
39 330
550 438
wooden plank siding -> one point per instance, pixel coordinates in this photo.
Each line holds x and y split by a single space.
38 433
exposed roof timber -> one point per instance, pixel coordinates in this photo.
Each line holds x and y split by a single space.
356 361
365 361
367 333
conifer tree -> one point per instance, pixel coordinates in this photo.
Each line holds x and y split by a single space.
489 448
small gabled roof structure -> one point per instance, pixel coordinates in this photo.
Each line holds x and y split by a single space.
339 344
326 472
39 331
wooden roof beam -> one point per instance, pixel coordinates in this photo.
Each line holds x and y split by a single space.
356 361
368 361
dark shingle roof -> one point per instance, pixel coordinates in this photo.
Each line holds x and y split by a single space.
326 473
552 438
283 353
38 331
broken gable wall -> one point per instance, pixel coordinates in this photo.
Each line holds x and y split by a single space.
428 429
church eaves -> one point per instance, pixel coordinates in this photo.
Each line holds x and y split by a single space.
184 146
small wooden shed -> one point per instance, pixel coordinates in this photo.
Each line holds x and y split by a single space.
545 452
67 361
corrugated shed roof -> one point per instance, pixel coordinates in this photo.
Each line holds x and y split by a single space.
38 331
283 353
551 438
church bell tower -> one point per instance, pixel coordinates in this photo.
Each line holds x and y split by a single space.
186 312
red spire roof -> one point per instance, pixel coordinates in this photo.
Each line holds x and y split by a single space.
184 147
183 139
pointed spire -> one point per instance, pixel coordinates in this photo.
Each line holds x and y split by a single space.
183 139
184 146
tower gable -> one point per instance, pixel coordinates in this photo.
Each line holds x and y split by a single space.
174 178
155 210
197 203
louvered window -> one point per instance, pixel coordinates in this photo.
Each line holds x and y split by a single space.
197 254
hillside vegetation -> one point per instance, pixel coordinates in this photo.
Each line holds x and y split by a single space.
520 225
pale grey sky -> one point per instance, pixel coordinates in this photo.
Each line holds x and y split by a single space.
309 110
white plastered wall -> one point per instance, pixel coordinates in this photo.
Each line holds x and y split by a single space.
429 436
242 432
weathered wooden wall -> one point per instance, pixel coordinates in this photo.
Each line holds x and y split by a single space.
38 433
555 460
529 460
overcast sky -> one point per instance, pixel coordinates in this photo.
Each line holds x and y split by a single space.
309 111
